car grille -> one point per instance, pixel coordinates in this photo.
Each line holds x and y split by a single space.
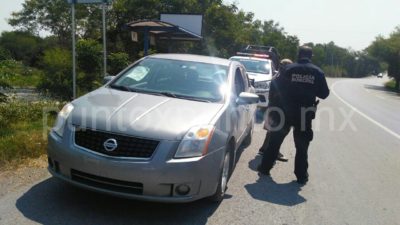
107 183
262 98
126 146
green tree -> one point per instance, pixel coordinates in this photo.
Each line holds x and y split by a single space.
89 58
274 35
341 62
117 62
57 80
21 46
388 50
4 54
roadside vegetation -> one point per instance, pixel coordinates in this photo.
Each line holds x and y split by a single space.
391 85
28 60
386 49
16 74
24 128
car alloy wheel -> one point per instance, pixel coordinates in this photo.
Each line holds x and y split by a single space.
225 172
223 181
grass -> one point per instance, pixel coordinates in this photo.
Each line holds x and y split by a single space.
391 84
15 74
20 81
24 133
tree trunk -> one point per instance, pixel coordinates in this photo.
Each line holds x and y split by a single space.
397 86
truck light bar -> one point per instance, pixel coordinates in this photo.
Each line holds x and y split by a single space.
264 56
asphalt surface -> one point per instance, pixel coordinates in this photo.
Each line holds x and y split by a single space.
354 177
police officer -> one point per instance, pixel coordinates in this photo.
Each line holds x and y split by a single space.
273 101
299 85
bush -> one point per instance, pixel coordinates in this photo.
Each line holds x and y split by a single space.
23 131
22 46
4 54
14 112
57 78
15 74
57 65
334 71
117 62
89 58
391 84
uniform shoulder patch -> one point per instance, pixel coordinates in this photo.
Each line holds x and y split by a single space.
303 78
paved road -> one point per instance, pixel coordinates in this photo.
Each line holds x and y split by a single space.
354 178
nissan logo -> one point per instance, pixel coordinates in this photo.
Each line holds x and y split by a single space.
110 145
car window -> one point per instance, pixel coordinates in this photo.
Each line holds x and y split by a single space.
239 83
184 78
254 65
245 79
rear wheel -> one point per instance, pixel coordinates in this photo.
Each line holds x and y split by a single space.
223 181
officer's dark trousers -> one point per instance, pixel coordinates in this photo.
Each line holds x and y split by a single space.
302 133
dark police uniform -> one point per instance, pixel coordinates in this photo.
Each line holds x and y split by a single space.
271 116
299 85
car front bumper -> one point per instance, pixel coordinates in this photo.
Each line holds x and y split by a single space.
154 179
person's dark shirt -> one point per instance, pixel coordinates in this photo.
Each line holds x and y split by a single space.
298 85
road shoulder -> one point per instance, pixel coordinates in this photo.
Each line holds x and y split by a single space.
12 178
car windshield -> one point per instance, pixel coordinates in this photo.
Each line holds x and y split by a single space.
175 78
255 66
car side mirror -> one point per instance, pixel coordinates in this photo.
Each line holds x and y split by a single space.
246 98
108 79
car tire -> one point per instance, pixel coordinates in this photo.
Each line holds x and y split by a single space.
225 173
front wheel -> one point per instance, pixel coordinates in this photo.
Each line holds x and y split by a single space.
223 181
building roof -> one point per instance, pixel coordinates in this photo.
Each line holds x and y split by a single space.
163 30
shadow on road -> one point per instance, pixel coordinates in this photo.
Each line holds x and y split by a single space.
266 189
55 202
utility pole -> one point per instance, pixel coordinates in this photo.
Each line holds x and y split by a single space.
73 51
104 39
73 2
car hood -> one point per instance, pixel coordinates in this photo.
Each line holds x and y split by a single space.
257 77
141 115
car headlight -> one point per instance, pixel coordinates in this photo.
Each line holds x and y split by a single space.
262 85
62 119
195 143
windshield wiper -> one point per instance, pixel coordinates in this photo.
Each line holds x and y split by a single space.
192 98
122 88
172 95
168 94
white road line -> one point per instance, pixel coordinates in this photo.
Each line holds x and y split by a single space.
361 113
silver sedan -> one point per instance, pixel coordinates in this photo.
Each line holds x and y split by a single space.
165 129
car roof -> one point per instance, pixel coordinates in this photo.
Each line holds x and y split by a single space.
252 58
193 58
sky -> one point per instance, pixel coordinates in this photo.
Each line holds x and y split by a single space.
349 23
6 8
